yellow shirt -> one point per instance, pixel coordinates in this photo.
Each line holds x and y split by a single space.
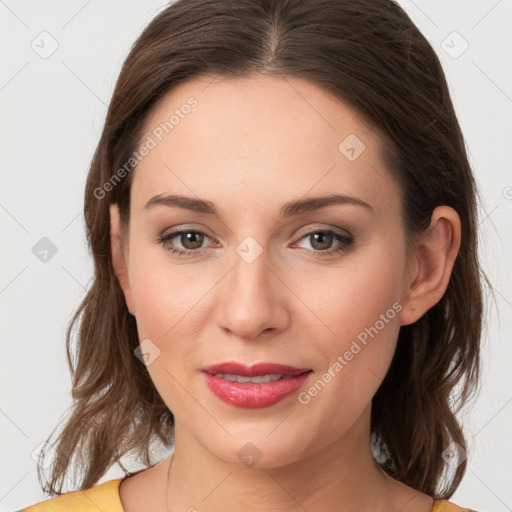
105 497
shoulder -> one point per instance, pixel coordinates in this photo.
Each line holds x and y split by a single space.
100 497
448 506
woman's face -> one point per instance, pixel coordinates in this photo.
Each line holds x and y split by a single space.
261 280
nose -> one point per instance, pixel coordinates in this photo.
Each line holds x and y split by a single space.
253 298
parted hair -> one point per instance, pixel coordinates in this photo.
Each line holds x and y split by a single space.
370 55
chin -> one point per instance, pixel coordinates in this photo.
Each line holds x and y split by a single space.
254 448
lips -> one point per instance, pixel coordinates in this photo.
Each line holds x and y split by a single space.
254 386
255 370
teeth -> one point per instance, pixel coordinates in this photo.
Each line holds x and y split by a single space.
260 379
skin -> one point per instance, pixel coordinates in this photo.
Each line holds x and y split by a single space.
250 146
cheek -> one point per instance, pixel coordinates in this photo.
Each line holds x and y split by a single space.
169 312
351 298
363 334
359 308
356 359
164 293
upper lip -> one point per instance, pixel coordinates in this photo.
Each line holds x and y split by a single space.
254 370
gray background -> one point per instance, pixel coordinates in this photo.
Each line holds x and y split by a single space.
52 111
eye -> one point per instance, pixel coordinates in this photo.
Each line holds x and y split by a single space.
322 241
191 241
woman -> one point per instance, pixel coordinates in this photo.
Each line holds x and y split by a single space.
283 223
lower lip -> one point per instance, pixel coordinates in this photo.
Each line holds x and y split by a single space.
248 395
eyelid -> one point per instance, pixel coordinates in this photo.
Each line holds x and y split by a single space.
184 227
308 231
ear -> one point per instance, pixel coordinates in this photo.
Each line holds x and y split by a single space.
431 264
118 257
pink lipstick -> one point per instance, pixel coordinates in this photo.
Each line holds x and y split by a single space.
254 386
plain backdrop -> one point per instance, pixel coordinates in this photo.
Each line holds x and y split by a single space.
59 64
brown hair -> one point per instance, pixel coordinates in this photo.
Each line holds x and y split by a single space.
369 54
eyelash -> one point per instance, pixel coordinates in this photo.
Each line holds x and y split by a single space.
346 239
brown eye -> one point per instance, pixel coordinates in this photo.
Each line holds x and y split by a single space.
191 239
184 243
326 242
321 240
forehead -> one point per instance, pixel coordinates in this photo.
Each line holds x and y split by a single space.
219 136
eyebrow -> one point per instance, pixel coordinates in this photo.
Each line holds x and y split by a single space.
289 209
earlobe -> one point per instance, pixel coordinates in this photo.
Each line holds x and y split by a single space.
118 257
434 255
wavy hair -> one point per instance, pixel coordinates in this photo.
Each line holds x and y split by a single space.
370 55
